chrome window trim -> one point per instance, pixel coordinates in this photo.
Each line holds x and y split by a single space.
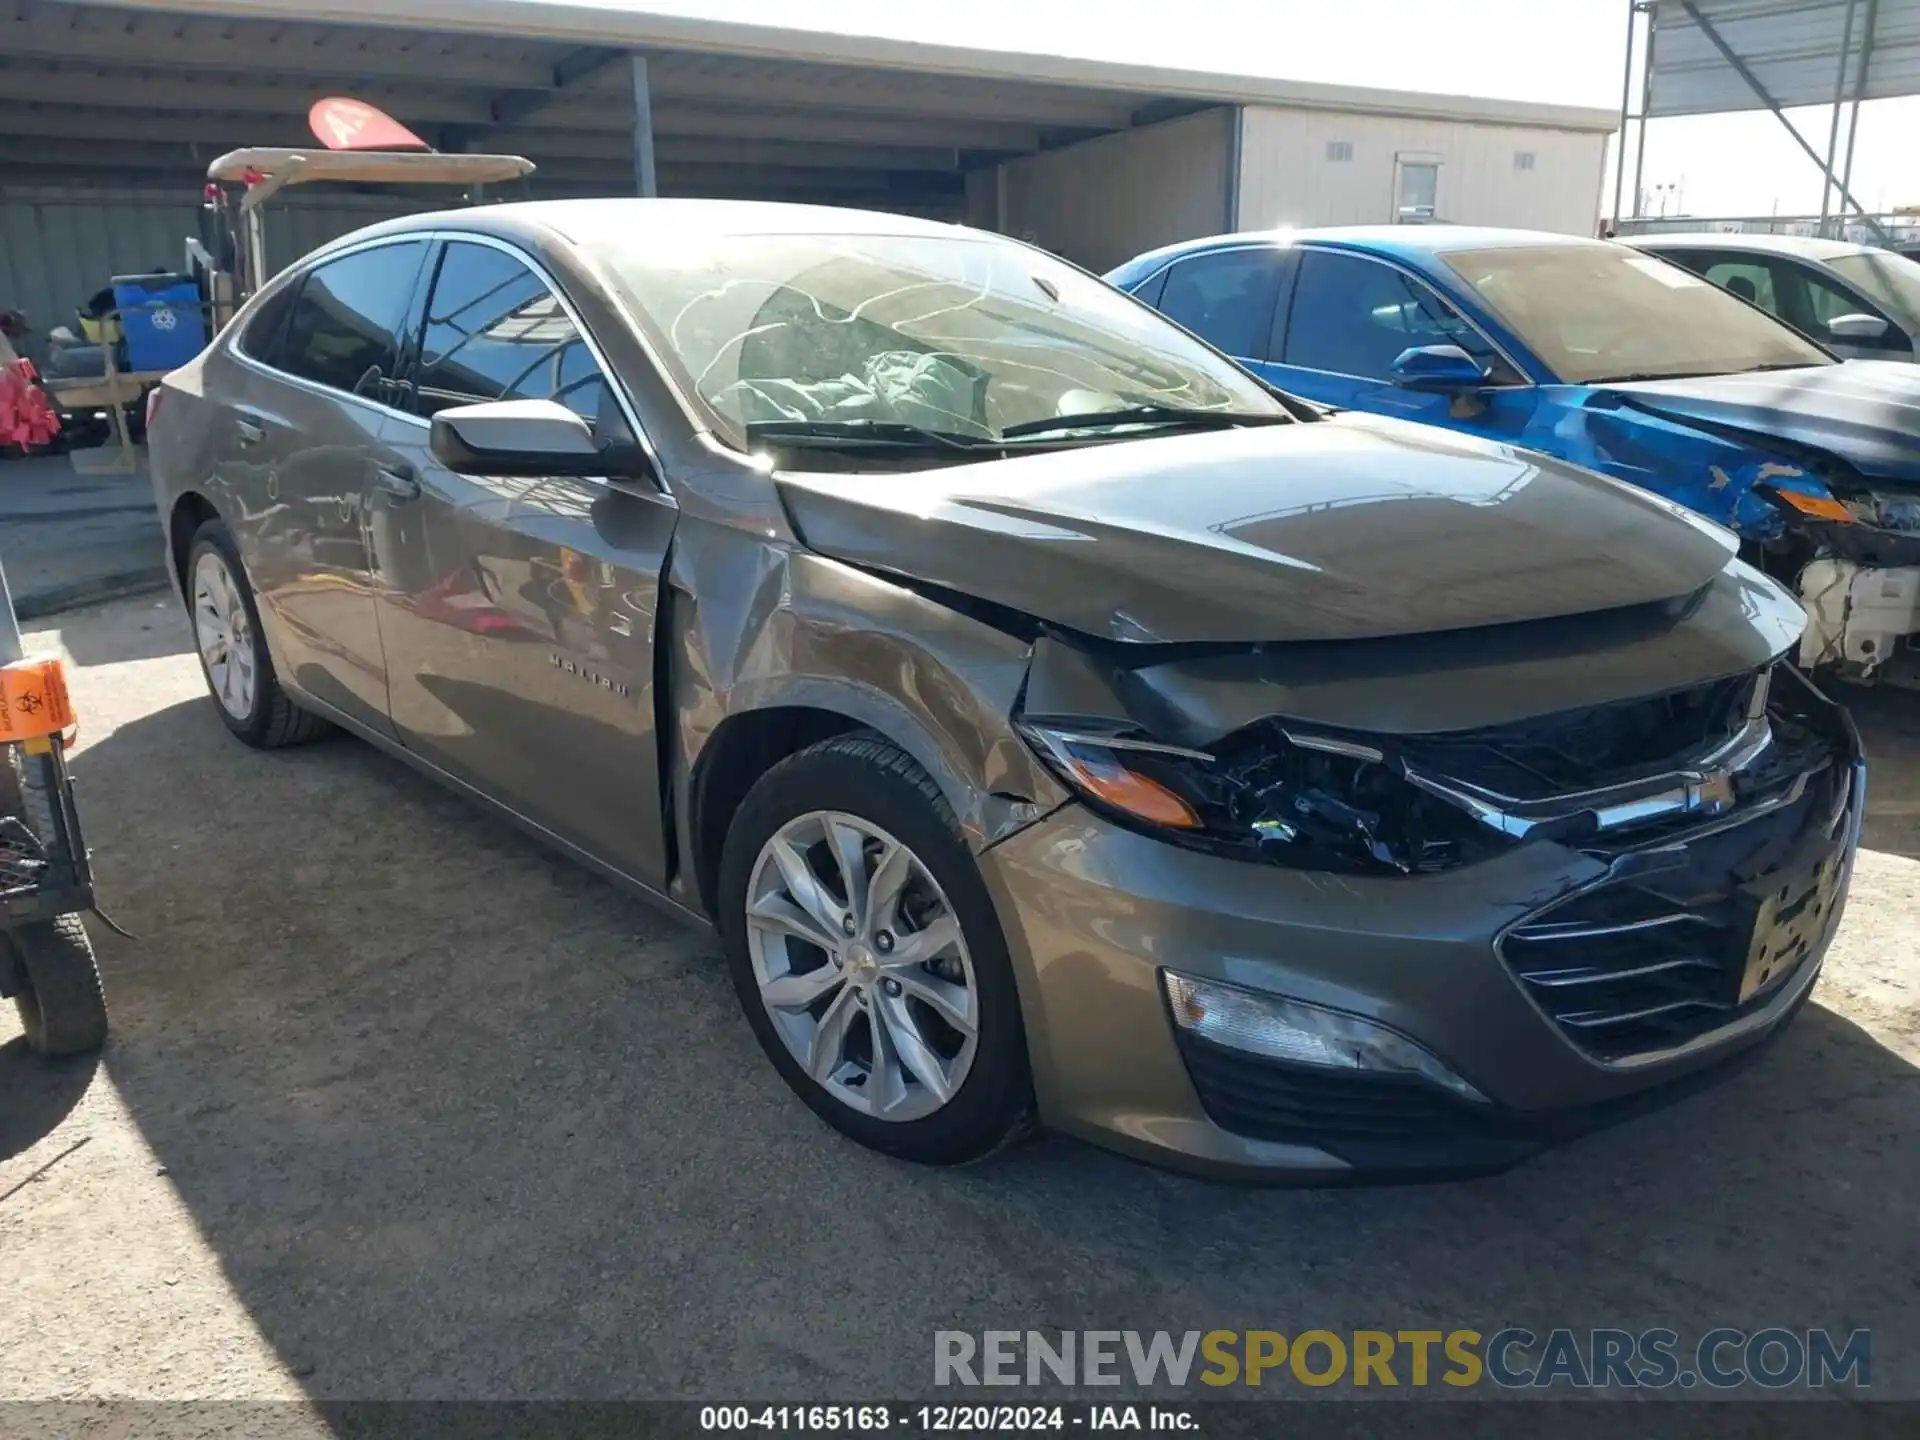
1703 786
308 264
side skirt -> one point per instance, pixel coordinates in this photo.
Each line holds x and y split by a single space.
691 918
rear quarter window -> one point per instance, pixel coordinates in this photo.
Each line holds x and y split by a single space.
262 336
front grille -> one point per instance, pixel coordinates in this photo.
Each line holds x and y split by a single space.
1658 954
1388 1125
1601 745
1299 1104
1372 1121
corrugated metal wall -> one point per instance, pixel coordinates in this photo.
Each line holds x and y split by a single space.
59 245
1315 167
1105 200
1793 47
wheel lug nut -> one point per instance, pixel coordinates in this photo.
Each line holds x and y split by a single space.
846 925
883 942
892 987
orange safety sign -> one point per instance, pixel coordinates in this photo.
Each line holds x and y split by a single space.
33 699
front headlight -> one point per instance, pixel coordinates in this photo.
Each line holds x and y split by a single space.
1266 793
1893 509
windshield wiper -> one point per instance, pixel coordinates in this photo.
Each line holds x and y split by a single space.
1635 376
862 434
1705 374
1144 415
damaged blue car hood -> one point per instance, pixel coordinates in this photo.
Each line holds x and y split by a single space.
1724 445
1866 412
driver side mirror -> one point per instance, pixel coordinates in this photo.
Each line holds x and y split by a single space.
1857 327
528 438
1442 368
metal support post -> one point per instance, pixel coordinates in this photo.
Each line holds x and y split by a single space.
644 181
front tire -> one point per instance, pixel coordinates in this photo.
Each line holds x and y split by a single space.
868 957
63 1008
233 654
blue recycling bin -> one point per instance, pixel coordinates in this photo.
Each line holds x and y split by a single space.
161 320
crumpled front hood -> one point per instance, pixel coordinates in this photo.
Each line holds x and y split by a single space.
1867 412
1351 528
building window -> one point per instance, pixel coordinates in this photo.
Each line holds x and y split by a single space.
1523 159
1338 150
1416 189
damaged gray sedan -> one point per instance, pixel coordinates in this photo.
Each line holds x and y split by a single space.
1056 726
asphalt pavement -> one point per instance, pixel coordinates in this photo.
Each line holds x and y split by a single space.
70 539
399 1105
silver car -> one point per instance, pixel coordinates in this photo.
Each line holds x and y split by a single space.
1862 303
1055 725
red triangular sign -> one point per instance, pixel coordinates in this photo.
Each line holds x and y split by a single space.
343 124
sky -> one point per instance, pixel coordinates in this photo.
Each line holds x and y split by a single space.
1566 51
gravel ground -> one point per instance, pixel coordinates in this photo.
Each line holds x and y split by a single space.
400 1106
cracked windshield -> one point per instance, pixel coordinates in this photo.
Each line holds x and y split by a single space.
897 339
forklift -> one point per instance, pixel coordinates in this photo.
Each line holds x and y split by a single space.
230 256
46 959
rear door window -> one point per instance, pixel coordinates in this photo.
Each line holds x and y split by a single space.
1226 298
343 326
1749 279
494 331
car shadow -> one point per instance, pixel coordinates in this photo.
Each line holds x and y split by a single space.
36 1094
461 1121
1889 722
106 635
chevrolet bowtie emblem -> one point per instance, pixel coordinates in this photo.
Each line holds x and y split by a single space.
1713 794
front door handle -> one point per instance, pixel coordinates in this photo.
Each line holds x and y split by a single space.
396 483
249 433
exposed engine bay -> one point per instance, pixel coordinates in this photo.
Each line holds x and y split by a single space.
1296 756
1600 777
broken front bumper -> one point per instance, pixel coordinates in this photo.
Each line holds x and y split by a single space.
1862 598
1861 618
1094 913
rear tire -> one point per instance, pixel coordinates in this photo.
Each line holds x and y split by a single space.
862 787
233 654
62 1006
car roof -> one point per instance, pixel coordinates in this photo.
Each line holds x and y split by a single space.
1407 242
1806 247
584 220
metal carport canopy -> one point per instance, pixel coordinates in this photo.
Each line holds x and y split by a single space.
145 91
1792 50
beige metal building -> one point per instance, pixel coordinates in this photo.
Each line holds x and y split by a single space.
109 113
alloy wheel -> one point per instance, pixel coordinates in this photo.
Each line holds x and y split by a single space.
225 634
862 965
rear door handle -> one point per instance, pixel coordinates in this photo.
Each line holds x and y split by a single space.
396 483
250 433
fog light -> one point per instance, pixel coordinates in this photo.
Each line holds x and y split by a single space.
1300 1034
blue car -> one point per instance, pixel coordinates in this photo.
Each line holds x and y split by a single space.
1606 357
